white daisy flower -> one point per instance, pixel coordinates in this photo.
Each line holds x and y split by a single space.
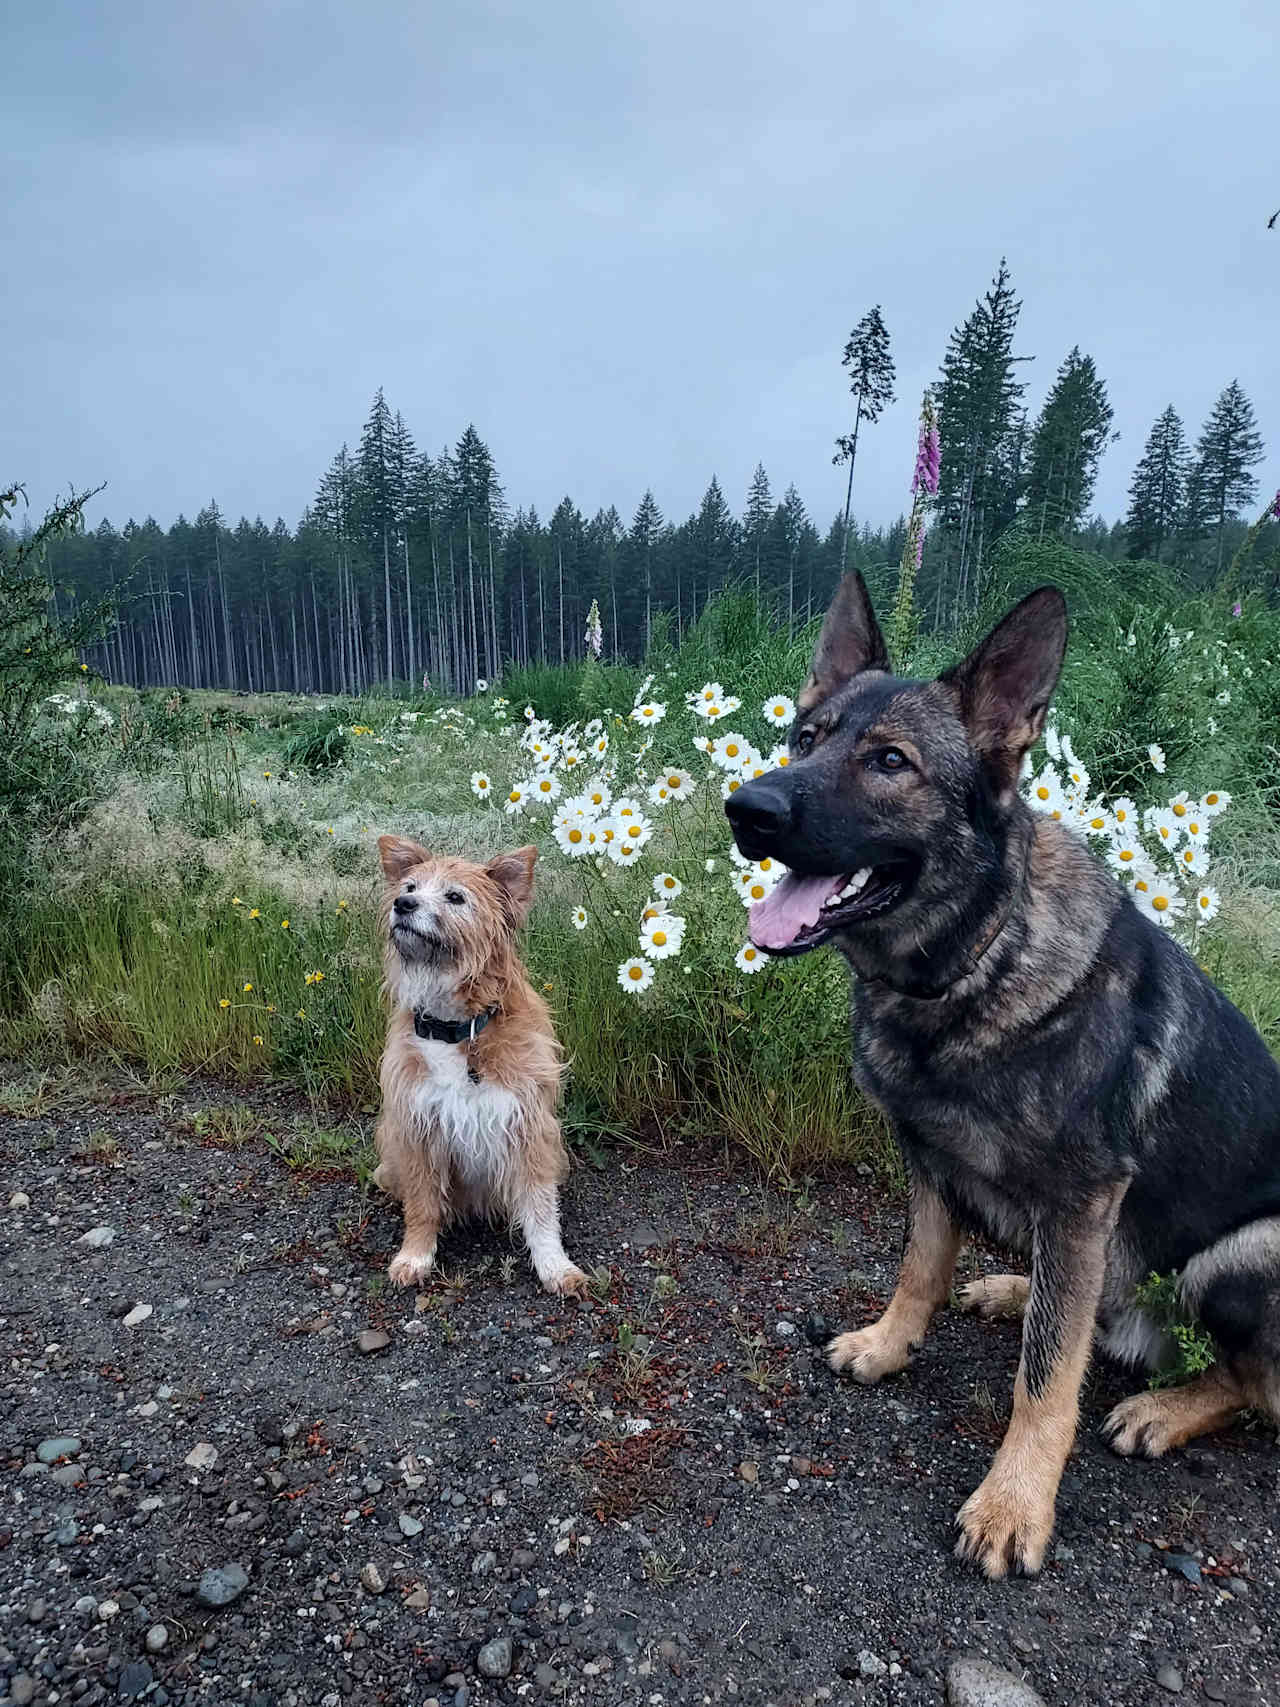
600 746
623 851
777 757
678 784
592 729
1181 805
779 710
1224 698
1125 814
546 787
1195 827
1205 903
1159 901
517 799
1129 859
1045 794
635 976
1052 745
580 918
731 785
750 959
482 686
571 758
1192 860
666 887
598 795
659 794
729 751
710 693
648 713
1214 802
572 839
1162 824
661 936
480 785
753 885
1155 752
1095 820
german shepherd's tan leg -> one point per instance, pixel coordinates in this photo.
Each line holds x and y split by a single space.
1151 1424
1006 1522
996 1296
924 1284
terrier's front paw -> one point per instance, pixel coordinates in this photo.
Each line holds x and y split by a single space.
1004 1527
409 1267
569 1282
868 1354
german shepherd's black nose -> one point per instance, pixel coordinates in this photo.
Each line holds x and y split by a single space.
760 812
406 904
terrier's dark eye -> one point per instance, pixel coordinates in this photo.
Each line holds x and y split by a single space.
410 887
454 897
891 760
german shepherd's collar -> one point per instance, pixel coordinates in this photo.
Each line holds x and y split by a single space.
1084 1095
452 1030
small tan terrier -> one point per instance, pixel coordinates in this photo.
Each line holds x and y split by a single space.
471 1068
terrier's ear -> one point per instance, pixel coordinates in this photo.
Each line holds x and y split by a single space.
513 874
399 856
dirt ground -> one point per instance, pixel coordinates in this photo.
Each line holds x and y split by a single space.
658 1495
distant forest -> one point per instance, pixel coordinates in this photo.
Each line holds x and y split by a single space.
408 564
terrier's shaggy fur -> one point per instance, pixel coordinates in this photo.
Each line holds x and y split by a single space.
467 1127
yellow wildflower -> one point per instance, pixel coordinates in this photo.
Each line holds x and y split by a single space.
247 988
224 1001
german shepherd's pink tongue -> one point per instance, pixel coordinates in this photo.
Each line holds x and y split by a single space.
796 903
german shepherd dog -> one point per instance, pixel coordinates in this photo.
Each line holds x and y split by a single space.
1059 1075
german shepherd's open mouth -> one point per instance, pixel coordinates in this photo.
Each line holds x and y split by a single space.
804 912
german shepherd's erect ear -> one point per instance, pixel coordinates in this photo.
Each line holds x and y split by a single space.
1006 683
850 642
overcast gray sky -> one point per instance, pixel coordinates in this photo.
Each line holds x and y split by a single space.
627 242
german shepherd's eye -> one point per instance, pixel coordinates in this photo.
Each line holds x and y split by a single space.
890 760
803 741
454 897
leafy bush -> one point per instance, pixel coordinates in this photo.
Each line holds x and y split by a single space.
1160 1296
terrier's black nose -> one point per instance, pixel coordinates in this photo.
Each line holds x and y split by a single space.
760 812
406 904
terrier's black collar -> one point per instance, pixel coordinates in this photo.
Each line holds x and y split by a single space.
452 1030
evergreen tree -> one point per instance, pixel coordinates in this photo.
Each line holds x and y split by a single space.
755 529
871 375
1068 441
1156 491
376 502
713 541
1221 484
642 544
981 428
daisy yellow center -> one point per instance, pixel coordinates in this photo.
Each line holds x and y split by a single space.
482 782
648 711
514 795
1194 827
673 782
714 710
1179 811
659 939
1204 900
1141 884
1042 793
1097 823
1126 854
748 954
779 711
545 787
1160 903
732 750
635 973
757 891
1211 799
575 835
784 760
735 785
668 884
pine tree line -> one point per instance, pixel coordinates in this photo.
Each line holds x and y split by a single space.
409 565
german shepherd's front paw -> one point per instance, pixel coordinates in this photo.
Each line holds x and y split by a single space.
868 1354
1144 1426
410 1267
1004 1527
995 1297
569 1282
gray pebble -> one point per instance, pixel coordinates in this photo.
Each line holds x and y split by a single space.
495 1658
22 1689
220 1585
157 1638
1170 1678
409 1526
97 1238
371 1340
1184 1565
977 1683
57 1446
1238 1587
135 1680
372 1579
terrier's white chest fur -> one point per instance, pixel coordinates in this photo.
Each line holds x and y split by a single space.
478 1120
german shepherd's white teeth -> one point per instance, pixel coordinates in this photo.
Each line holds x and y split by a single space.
851 888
